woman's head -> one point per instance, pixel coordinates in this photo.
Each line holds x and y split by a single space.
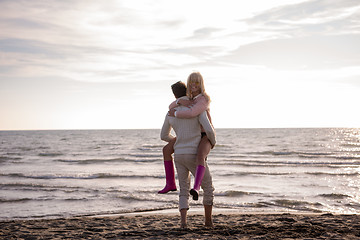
195 85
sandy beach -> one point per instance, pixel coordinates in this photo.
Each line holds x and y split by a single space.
166 226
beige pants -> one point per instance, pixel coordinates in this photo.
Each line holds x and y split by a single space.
186 163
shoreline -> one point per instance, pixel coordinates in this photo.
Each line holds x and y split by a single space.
169 212
216 211
164 224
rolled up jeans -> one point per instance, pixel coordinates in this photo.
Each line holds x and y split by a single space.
186 163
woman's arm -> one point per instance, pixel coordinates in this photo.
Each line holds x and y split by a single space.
200 106
180 101
173 105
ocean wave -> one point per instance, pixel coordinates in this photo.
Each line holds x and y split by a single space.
108 160
75 199
217 146
91 161
20 185
354 157
275 205
50 154
334 196
146 155
150 146
301 154
38 187
2 200
110 144
6 158
273 153
248 173
355 205
333 174
242 206
351 144
145 197
291 202
295 204
281 163
79 176
234 193
24 149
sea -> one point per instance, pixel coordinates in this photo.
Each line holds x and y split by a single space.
67 173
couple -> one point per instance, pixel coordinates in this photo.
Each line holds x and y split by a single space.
195 136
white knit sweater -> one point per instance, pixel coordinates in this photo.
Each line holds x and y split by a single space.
188 132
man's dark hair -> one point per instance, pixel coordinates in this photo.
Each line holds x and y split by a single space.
179 89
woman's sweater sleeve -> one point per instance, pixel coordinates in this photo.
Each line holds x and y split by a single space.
200 106
173 105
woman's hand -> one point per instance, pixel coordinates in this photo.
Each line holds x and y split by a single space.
185 102
171 112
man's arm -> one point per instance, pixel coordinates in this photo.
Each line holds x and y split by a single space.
165 130
210 132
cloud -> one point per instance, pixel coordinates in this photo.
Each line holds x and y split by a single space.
29 46
300 53
22 23
315 34
321 9
198 51
307 18
206 32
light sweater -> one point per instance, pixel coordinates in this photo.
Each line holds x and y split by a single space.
188 132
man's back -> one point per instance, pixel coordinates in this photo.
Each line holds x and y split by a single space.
188 132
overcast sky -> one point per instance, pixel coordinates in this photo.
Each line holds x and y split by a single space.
91 64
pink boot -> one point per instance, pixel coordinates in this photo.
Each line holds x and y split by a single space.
170 178
199 175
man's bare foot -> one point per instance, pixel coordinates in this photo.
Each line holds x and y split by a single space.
183 226
209 224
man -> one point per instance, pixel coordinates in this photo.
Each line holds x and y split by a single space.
188 136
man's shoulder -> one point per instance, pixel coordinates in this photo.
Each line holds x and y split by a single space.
181 107
184 97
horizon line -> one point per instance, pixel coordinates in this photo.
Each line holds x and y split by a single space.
111 129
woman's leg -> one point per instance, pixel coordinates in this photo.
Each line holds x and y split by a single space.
203 150
168 150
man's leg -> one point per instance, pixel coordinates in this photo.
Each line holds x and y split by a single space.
208 216
183 214
184 183
208 198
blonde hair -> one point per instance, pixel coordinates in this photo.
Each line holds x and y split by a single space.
196 77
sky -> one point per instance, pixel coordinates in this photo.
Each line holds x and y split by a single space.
94 64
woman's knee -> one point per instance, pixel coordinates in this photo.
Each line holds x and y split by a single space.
168 149
201 155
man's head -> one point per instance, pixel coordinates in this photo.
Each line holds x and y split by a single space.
179 89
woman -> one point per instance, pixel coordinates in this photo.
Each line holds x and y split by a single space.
199 102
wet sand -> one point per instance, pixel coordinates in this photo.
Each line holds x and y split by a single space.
166 226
